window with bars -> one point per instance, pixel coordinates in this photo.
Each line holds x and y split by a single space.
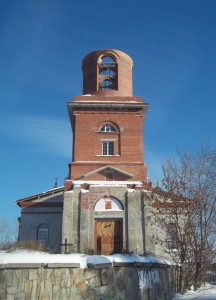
108 148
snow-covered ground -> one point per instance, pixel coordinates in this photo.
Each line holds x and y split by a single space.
207 292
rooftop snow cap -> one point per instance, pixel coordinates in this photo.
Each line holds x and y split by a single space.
107 73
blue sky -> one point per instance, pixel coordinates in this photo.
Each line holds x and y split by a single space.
42 44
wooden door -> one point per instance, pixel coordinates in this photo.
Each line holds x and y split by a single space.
108 237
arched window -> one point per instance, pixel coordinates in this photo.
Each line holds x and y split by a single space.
43 233
107 128
109 143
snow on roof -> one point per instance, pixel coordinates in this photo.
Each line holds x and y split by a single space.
107 183
42 194
22 256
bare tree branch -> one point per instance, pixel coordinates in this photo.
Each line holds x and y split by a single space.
189 200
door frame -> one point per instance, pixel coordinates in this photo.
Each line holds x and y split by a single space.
97 238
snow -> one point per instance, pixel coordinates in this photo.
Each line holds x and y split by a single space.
133 258
107 183
207 292
131 190
23 256
84 191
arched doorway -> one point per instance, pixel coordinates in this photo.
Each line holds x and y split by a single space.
108 230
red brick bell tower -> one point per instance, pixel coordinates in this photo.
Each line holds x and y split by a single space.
107 122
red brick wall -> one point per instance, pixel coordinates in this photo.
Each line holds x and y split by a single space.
139 171
88 141
128 141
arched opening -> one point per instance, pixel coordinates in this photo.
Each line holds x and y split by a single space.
108 228
108 203
107 71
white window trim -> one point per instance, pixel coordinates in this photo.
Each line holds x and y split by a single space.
101 155
107 141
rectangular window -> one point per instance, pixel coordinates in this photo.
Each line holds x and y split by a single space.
108 148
